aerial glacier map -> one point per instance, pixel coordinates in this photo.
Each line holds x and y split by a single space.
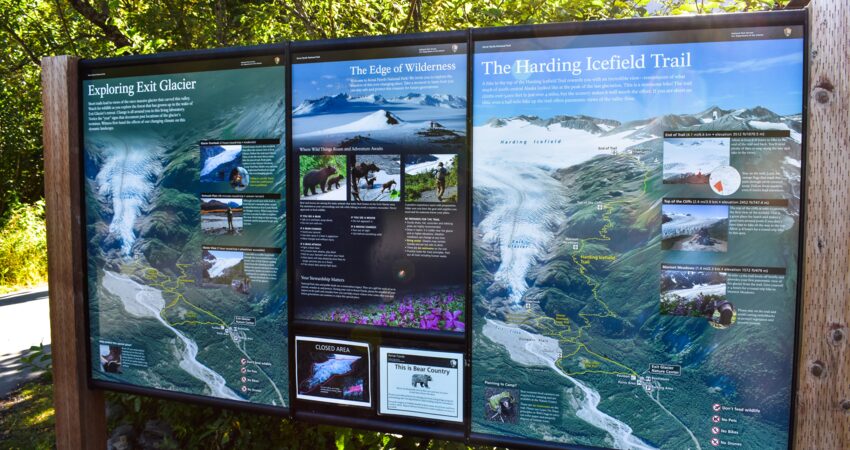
634 272
184 198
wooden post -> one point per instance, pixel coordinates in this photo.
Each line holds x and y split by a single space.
80 411
823 398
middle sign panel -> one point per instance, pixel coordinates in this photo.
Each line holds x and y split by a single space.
379 150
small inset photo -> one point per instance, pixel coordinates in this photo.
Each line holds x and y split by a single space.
691 160
501 404
219 161
110 358
333 371
724 316
221 215
225 267
430 178
696 294
323 177
239 178
695 228
376 178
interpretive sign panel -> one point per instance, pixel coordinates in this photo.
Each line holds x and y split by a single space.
419 383
379 148
636 233
184 172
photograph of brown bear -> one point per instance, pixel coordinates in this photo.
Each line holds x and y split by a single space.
322 177
375 178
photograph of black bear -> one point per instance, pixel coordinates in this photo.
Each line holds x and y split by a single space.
420 380
321 177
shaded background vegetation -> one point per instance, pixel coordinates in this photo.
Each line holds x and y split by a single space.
30 29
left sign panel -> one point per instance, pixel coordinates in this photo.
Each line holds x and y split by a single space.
185 222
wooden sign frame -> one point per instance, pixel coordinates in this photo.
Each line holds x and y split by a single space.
822 398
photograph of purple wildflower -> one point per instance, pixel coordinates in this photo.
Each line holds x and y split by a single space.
443 311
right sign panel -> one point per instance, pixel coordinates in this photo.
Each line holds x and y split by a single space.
636 228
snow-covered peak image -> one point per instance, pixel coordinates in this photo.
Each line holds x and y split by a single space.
335 104
691 160
411 121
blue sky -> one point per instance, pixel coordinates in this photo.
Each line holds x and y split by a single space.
316 80
712 211
731 75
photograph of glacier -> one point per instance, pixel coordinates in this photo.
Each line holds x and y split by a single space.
695 228
222 266
334 110
568 218
218 161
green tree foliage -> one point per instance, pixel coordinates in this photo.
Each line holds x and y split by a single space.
23 247
200 427
30 29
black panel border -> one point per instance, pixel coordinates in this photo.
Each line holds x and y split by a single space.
377 337
656 24
368 42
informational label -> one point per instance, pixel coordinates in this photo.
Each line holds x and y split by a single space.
636 214
420 383
185 217
333 371
379 147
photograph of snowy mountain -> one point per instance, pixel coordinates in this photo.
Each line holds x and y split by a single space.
691 160
333 109
695 228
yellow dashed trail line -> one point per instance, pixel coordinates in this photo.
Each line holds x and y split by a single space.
566 335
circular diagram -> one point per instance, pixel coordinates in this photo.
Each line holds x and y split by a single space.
725 180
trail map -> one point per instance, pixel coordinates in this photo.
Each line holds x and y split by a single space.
635 236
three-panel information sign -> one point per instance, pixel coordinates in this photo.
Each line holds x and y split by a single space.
568 235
